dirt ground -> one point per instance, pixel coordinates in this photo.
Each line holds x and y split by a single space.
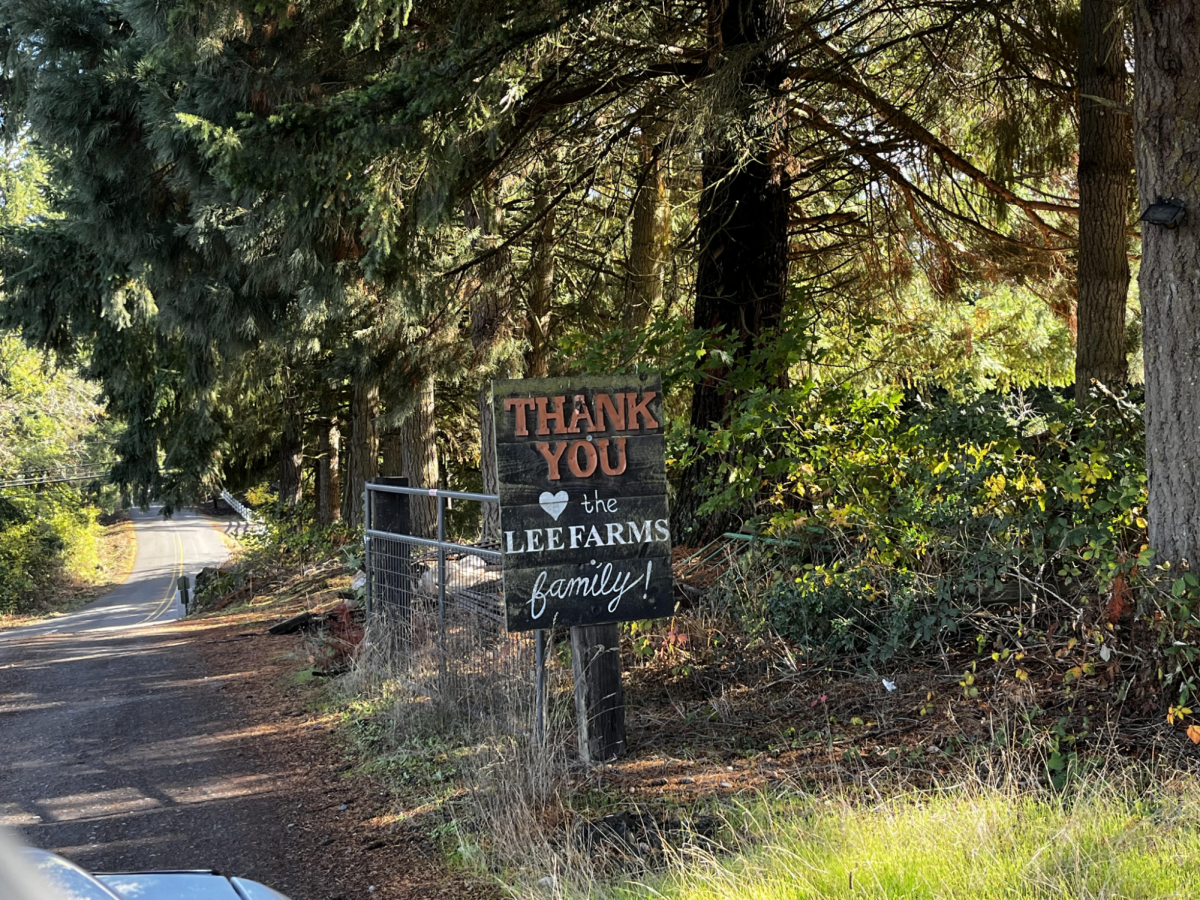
186 746
341 838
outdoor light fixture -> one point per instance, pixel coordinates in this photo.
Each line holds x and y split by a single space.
1167 213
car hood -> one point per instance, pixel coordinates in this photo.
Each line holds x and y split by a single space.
76 884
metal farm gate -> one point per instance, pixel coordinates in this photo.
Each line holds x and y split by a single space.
435 609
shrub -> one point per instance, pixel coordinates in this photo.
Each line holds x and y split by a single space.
42 535
890 518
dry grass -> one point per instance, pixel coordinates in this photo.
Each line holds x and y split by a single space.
721 722
742 757
116 551
1130 833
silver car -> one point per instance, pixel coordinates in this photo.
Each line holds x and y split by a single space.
40 875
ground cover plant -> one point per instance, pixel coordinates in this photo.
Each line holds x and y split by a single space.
967 840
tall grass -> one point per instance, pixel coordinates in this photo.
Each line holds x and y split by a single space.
502 792
974 842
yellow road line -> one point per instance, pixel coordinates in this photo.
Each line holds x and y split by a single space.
165 605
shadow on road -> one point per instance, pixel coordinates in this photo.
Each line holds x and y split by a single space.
121 754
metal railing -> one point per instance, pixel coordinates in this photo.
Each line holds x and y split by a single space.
252 521
435 608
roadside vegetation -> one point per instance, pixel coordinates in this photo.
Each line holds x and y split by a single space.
55 449
1131 837
940 656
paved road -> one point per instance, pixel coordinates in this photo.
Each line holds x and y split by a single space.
166 549
118 747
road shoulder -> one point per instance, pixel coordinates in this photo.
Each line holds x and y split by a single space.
344 840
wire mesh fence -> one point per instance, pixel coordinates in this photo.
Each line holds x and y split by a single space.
435 610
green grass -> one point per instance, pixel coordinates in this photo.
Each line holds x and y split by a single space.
974 843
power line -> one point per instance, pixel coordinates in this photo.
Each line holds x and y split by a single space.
64 477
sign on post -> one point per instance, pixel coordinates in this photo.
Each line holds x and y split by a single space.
583 500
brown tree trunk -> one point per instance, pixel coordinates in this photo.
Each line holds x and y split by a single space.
541 289
1105 164
327 487
649 234
362 450
489 530
1167 154
489 315
742 278
291 459
418 447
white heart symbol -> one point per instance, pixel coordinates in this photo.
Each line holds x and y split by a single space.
553 503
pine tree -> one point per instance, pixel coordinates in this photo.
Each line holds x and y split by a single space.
1105 164
1167 152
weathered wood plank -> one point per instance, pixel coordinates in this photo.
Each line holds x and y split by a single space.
588 492
524 471
600 591
599 695
567 531
521 417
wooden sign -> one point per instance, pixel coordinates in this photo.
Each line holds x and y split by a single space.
583 500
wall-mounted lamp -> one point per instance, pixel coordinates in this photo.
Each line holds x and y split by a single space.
1167 213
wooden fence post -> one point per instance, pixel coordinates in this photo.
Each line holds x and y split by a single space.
390 513
599 697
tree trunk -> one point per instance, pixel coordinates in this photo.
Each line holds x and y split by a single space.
1105 163
362 450
742 278
393 576
649 233
418 447
489 314
489 512
1167 154
541 289
291 459
328 495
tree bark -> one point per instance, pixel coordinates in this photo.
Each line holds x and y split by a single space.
327 482
541 289
391 453
393 576
742 278
489 530
362 450
291 458
1105 164
649 234
1167 157
489 317
418 447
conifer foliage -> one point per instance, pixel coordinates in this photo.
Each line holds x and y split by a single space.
284 235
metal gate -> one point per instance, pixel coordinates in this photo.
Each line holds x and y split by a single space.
435 609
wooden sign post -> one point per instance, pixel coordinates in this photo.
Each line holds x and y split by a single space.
584 525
